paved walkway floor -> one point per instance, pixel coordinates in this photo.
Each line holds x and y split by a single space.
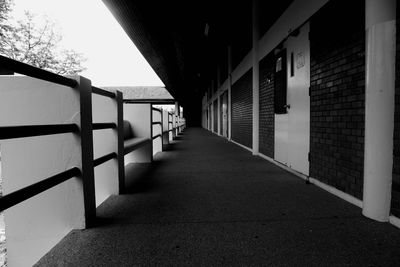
208 202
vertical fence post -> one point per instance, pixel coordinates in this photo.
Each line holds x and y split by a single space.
162 129
120 149
86 130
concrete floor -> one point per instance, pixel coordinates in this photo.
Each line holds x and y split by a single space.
208 202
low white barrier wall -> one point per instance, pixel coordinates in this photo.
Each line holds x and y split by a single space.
157 130
34 226
104 142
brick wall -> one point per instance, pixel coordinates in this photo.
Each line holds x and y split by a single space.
242 110
338 96
395 207
267 115
215 116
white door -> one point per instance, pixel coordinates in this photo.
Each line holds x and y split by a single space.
224 114
298 100
281 138
281 116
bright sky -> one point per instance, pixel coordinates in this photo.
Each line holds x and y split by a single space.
89 28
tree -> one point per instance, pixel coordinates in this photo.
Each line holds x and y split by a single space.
36 44
5 8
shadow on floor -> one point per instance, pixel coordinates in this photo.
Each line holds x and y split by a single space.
139 178
169 147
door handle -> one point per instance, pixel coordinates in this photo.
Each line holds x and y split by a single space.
287 106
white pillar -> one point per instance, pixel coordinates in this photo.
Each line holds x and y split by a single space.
379 107
256 93
219 113
212 116
229 92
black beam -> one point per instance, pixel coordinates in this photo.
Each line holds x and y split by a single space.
99 91
25 193
9 132
101 126
157 136
149 101
104 158
31 71
156 109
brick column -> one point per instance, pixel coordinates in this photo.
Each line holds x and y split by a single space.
379 107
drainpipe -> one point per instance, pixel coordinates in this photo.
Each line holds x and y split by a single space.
380 25
256 91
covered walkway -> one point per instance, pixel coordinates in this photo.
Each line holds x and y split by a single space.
207 202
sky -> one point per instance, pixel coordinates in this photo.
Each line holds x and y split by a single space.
88 27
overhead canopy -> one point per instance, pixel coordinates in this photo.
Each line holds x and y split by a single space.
185 41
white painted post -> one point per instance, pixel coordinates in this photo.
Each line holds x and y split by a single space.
229 92
212 115
176 118
379 107
219 114
256 93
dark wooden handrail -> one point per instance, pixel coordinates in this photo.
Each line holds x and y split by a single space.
9 132
104 158
29 70
25 193
157 136
149 101
99 91
156 109
101 126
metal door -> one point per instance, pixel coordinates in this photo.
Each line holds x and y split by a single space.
298 99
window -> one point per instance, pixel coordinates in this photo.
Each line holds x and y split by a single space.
291 64
280 83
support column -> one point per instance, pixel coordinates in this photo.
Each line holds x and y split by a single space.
379 107
86 134
120 129
219 113
212 115
176 115
256 91
229 92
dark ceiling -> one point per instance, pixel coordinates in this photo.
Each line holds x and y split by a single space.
171 36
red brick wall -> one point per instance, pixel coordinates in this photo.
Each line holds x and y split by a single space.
242 109
267 115
338 96
395 208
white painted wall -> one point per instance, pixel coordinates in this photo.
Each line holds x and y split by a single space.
165 127
104 142
139 116
157 143
34 226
